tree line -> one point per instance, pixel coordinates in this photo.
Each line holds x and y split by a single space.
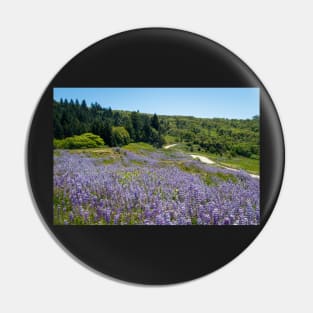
116 128
214 135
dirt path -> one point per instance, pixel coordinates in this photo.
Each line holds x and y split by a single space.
206 160
203 159
170 146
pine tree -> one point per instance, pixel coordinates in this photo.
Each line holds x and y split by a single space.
84 104
155 122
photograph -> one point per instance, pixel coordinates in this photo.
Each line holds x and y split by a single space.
156 156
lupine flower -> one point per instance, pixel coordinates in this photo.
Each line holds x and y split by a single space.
151 189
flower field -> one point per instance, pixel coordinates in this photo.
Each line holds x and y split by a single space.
150 188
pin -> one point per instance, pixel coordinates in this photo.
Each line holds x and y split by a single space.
155 156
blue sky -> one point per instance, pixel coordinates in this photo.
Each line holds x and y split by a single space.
199 102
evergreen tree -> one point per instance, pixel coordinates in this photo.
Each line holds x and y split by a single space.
84 104
58 129
129 126
155 122
147 131
228 137
137 125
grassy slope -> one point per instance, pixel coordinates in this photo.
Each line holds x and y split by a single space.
139 146
238 162
250 165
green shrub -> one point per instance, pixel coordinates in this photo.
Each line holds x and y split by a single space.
86 140
120 136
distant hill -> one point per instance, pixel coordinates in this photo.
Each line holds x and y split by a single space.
214 135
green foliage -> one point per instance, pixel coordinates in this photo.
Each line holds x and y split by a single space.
87 140
222 137
170 139
157 139
219 136
155 122
71 118
138 147
120 136
251 165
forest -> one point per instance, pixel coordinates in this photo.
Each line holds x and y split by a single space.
77 124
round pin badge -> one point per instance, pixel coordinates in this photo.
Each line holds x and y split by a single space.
155 156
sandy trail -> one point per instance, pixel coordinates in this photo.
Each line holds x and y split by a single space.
206 160
170 146
203 159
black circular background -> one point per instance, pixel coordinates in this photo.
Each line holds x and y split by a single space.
155 57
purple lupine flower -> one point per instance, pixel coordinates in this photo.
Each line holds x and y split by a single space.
156 192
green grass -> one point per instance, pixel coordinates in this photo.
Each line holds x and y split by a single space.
109 161
109 156
138 147
208 178
56 153
104 149
170 139
239 162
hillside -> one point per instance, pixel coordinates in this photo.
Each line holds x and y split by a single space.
218 136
